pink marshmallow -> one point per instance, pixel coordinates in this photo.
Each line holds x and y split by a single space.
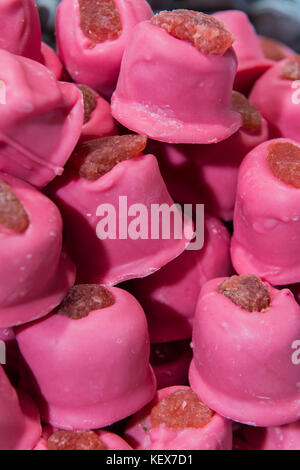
242 365
96 371
215 435
169 296
20 427
34 274
251 59
172 92
40 122
96 65
266 222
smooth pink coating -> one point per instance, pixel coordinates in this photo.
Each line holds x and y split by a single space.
251 60
174 372
40 120
97 66
274 438
109 349
207 173
20 426
172 92
20 29
216 435
51 60
266 222
112 261
101 122
169 296
242 365
34 273
278 100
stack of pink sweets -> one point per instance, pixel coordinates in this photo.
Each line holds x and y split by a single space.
199 349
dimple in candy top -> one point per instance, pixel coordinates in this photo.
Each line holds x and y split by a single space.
90 99
181 409
250 114
12 213
97 157
246 291
291 68
85 298
100 20
284 162
75 440
206 33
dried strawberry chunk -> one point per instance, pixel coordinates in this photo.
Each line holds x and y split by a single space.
247 291
12 213
250 114
75 440
181 409
90 99
291 68
272 49
206 33
83 299
100 20
284 161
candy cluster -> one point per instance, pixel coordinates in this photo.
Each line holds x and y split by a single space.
141 342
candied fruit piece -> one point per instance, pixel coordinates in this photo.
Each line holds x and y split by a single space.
284 161
163 353
95 158
90 99
206 33
272 49
83 299
75 440
250 115
100 20
181 409
12 213
291 68
246 291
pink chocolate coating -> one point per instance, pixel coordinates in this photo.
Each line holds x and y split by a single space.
109 351
273 438
266 222
112 441
101 122
251 60
97 66
216 435
20 427
207 173
34 274
242 365
111 261
169 296
51 60
277 99
20 29
40 123
172 92
175 371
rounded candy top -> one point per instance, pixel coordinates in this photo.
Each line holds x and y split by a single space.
247 291
12 213
284 162
206 33
75 440
100 20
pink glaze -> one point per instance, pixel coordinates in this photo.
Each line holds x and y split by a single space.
274 438
169 296
242 365
101 122
97 66
34 274
40 122
207 173
251 60
20 29
174 371
266 222
216 435
112 261
174 93
112 441
51 60
278 100
19 419
109 349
